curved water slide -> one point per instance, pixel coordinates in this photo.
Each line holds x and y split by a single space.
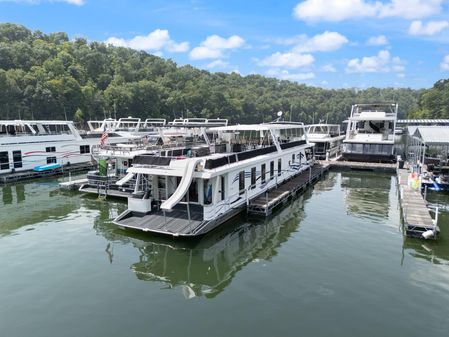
183 185
125 179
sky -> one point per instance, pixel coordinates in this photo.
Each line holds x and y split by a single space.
324 43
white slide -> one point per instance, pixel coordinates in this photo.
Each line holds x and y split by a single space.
125 179
183 185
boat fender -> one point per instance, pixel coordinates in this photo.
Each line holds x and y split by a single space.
428 234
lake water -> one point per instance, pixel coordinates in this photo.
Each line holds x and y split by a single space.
332 263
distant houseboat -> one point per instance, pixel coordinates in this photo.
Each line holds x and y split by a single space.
25 144
371 132
327 139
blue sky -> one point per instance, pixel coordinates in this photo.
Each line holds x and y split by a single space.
326 43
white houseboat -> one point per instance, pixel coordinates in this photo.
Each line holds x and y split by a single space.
370 133
327 138
27 144
191 195
179 138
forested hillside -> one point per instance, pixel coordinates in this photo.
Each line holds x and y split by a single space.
434 102
48 76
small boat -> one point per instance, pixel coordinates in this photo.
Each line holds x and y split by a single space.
47 167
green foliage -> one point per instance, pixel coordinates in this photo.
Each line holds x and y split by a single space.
49 77
434 102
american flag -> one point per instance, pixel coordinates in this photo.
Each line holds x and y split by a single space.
103 138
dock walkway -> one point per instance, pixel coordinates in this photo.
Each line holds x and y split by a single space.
361 166
417 219
267 202
28 175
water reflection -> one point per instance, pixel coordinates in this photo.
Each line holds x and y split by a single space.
206 266
327 183
29 203
367 194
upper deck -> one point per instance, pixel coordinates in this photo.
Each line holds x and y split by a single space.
21 131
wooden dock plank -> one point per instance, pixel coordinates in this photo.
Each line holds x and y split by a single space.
416 215
266 202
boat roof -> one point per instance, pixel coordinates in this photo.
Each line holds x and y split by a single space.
257 127
20 121
373 116
322 124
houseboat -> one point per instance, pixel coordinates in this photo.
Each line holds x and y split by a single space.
190 195
370 133
27 144
327 138
178 138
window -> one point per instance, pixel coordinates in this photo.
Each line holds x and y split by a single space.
4 160
17 158
51 160
241 182
50 149
279 166
207 192
271 169
262 174
223 186
84 149
253 177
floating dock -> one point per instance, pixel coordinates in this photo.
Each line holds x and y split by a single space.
28 175
361 166
417 220
267 202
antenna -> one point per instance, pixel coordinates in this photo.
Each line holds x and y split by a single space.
279 114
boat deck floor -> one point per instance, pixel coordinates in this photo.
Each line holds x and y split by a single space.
101 191
175 222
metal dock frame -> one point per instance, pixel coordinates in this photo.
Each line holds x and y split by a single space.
268 201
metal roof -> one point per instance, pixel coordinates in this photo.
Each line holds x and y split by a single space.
433 135
422 121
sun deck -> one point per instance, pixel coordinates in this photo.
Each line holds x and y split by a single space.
178 222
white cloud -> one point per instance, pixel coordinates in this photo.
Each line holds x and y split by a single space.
177 47
288 60
218 64
445 63
155 41
327 41
382 62
75 2
36 2
431 28
379 40
328 68
214 46
411 9
286 75
338 10
201 53
333 10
